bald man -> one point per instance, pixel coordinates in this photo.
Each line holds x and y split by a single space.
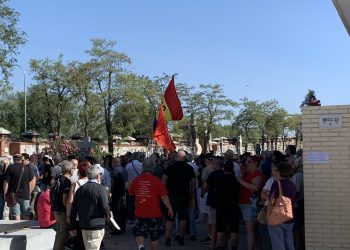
75 175
180 180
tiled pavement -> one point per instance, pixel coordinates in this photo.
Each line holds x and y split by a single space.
127 241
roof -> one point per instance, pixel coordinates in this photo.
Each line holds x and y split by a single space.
4 131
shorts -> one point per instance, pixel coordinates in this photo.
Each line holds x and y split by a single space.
246 211
212 216
227 221
203 209
180 207
151 226
22 207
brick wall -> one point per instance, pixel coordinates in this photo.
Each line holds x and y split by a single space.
327 184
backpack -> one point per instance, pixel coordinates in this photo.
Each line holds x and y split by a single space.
55 194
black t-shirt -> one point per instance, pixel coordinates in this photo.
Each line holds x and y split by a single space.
34 170
2 175
65 184
119 177
179 175
212 187
12 176
46 174
227 193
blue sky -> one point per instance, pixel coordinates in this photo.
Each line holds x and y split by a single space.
279 48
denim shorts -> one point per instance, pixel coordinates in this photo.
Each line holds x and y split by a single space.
246 211
22 207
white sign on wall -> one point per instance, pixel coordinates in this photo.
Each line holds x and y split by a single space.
331 121
317 157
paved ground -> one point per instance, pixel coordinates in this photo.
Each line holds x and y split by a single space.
127 241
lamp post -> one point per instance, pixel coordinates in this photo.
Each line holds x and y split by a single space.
25 96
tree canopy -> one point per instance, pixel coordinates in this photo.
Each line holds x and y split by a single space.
10 40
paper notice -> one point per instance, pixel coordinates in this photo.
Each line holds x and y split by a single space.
317 157
114 223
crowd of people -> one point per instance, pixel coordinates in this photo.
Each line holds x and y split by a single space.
166 194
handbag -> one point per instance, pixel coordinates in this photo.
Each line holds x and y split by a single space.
282 210
262 215
10 197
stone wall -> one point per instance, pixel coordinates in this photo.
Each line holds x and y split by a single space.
326 133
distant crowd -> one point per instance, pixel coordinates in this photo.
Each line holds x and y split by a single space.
160 195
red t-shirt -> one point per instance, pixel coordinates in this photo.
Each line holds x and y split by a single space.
245 193
147 190
45 214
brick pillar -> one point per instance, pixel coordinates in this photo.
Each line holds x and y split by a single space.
327 182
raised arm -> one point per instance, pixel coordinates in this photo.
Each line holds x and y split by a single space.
254 186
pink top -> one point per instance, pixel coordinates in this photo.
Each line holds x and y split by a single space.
45 214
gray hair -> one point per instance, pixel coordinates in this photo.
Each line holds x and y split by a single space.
66 166
2 159
57 159
92 172
138 156
148 165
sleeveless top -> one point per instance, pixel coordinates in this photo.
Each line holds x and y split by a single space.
78 184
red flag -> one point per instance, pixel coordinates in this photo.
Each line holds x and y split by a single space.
171 103
161 133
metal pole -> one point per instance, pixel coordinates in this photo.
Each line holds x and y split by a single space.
25 97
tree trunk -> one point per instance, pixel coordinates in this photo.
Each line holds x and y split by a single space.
109 135
86 114
271 144
206 143
108 124
276 144
296 140
263 141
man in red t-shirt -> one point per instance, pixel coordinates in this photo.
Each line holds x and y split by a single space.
148 191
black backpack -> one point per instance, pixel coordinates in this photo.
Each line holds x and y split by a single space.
55 197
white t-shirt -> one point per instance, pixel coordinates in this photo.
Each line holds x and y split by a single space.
268 186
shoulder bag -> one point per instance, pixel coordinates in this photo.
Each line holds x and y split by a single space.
282 210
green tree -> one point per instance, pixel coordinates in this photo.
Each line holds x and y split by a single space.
291 126
247 122
55 80
87 102
10 40
11 114
270 120
110 79
211 106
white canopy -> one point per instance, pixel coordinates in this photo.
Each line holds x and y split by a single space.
4 131
129 138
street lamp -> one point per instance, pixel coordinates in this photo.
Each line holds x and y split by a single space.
25 96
